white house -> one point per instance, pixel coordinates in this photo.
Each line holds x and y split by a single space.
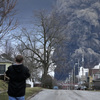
83 71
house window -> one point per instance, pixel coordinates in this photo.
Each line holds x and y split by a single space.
2 69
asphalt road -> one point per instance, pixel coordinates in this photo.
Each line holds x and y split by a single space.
67 95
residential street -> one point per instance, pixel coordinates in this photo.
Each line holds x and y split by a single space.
67 95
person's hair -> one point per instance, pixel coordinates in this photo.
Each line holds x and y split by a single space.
19 58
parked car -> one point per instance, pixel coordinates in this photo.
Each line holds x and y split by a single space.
82 88
55 87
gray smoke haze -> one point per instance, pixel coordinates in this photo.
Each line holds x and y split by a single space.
82 34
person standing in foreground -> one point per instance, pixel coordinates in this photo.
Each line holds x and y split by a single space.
17 74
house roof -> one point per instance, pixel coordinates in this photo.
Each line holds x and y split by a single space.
4 60
97 66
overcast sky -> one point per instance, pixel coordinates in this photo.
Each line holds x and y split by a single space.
25 8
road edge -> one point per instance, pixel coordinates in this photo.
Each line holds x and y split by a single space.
33 95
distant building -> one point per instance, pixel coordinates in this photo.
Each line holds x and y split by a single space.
83 73
94 74
90 77
37 84
94 77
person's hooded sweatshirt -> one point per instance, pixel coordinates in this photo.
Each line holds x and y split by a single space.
18 74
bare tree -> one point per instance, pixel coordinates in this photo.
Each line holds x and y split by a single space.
8 50
29 61
6 17
42 40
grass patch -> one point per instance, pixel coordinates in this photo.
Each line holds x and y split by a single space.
29 93
4 96
4 87
32 91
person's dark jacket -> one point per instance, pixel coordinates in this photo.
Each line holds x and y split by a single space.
17 82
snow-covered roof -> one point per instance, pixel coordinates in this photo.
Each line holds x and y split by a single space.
97 66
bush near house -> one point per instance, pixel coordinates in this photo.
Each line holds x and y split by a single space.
47 81
3 86
1 77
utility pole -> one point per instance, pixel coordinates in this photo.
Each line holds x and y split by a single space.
72 78
74 74
83 66
78 70
99 67
69 80
74 71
